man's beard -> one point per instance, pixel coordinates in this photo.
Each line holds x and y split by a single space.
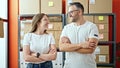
74 20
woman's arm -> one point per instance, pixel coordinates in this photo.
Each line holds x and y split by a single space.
53 52
27 55
51 55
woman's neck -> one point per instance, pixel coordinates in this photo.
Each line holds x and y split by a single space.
39 32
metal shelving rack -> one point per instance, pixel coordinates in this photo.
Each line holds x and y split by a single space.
30 16
112 42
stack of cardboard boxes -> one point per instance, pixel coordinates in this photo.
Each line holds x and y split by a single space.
93 6
100 6
51 6
29 6
40 6
103 56
102 23
55 27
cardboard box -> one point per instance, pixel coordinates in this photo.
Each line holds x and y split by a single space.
89 18
104 49
103 28
102 58
101 19
29 6
27 27
57 43
104 36
55 26
100 6
84 2
51 32
57 37
58 26
55 18
57 34
51 26
51 6
1 29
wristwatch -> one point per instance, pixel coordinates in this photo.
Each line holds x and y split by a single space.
37 55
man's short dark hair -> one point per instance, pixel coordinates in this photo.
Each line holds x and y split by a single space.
78 5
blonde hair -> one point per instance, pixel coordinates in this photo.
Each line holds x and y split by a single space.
37 19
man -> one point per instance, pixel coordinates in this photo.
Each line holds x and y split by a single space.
79 39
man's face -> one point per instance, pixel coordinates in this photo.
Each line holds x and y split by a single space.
73 13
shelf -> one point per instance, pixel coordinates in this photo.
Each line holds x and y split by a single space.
105 65
31 15
106 42
99 14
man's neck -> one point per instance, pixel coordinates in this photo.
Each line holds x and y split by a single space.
81 21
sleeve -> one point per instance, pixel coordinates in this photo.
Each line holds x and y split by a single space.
52 40
26 40
63 33
94 33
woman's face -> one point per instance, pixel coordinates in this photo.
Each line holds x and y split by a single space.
44 22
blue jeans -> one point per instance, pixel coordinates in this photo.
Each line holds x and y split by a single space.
47 64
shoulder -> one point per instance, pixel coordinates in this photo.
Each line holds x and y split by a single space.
69 25
91 24
27 34
50 35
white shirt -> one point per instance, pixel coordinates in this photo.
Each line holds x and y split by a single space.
38 43
78 34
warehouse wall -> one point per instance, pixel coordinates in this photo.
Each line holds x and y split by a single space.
116 10
13 30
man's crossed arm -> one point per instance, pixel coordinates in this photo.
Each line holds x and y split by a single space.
86 47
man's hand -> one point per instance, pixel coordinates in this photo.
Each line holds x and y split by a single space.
65 40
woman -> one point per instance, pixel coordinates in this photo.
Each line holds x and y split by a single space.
39 46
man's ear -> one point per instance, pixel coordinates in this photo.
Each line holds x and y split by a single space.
80 12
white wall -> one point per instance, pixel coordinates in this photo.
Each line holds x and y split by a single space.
4 48
3 9
3 41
